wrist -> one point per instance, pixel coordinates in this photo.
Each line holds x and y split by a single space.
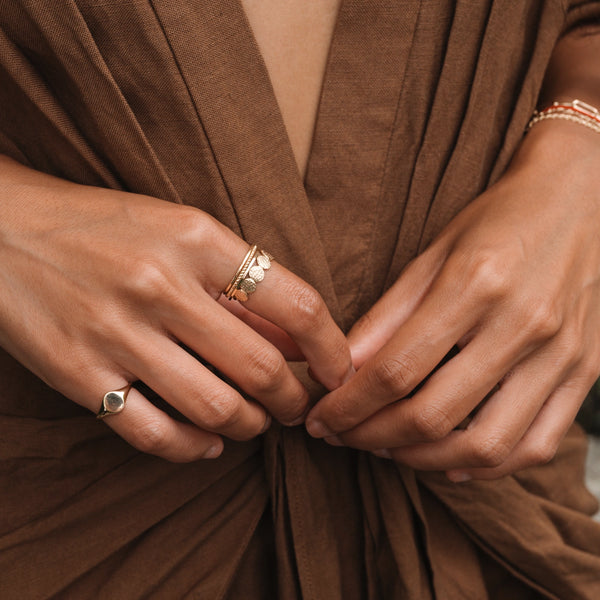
560 145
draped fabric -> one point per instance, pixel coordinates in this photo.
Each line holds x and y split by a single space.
422 106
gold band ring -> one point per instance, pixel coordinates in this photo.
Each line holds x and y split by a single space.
113 402
250 272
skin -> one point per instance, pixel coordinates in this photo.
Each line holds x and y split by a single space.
521 302
294 39
104 314
513 281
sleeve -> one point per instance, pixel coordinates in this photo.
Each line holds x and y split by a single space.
582 14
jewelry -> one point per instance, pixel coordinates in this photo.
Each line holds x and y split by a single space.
113 402
576 111
248 275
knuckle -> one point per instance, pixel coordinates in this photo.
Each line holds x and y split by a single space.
267 370
112 325
149 280
574 347
221 411
194 226
307 307
491 452
151 437
397 373
342 415
489 275
542 452
588 370
576 353
432 423
542 319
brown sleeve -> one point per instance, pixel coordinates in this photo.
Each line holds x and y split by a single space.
582 13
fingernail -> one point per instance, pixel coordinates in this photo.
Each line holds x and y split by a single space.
334 440
267 424
383 453
318 429
458 476
213 451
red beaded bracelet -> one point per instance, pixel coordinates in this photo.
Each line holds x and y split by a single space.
575 111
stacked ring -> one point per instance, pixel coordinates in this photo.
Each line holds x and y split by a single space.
249 274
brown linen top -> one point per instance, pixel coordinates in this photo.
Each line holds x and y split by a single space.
423 104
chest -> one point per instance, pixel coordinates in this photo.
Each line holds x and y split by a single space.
294 39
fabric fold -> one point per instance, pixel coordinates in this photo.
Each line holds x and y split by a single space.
172 99
247 134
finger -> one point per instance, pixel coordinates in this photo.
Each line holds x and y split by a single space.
277 336
370 333
540 443
499 425
152 431
296 307
241 354
447 398
404 362
193 390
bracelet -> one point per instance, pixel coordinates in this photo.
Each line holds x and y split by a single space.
576 111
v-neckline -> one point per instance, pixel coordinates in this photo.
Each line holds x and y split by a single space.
314 102
229 85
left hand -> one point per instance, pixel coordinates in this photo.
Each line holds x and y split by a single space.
513 282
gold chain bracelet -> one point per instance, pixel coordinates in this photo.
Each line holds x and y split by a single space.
576 111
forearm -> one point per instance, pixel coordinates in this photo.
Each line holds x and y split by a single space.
565 150
574 69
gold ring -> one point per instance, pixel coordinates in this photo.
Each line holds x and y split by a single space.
113 402
248 275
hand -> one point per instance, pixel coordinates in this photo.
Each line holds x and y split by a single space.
100 288
514 283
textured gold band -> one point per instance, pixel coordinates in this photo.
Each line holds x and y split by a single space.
240 273
113 402
249 274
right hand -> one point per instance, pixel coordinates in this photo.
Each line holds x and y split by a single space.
100 288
